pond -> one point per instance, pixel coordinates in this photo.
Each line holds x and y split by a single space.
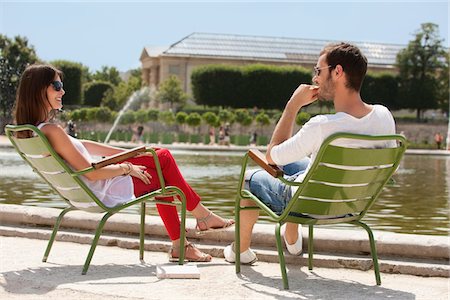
418 203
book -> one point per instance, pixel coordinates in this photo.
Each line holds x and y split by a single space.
174 271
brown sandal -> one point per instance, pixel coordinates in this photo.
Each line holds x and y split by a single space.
228 223
189 249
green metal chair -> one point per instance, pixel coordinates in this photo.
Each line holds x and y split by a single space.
40 155
341 185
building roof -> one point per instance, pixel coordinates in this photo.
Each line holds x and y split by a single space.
272 48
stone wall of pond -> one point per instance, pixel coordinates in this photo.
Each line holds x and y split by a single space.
417 133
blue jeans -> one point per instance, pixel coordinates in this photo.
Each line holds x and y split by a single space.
272 191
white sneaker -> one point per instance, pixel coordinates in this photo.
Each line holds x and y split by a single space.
247 258
296 248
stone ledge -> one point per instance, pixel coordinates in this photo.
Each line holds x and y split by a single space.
425 268
325 240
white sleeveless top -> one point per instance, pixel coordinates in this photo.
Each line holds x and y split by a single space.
111 191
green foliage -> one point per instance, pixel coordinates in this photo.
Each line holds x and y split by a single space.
79 114
243 117
108 74
420 65
302 118
72 80
170 91
153 115
262 119
254 85
271 86
217 85
141 116
381 88
167 117
193 119
15 56
128 117
136 76
181 117
211 119
443 86
226 116
116 98
99 114
94 92
103 114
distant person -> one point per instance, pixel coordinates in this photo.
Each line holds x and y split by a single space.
40 94
438 138
138 135
253 138
212 136
221 135
71 129
226 139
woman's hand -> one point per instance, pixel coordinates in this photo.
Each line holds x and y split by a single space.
139 172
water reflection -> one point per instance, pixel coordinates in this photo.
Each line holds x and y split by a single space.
418 202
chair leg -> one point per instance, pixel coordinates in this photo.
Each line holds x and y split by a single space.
55 230
142 233
281 257
237 234
98 232
373 250
310 247
182 228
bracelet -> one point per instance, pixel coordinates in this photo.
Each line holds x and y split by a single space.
130 168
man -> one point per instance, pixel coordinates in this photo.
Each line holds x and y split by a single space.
338 76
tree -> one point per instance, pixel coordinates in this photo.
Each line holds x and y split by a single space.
444 88
95 91
118 97
193 120
262 119
15 56
73 76
180 118
419 65
243 117
211 119
170 91
109 74
226 116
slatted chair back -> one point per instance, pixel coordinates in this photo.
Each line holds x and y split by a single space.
345 181
43 159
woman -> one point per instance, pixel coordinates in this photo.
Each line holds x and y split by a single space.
40 94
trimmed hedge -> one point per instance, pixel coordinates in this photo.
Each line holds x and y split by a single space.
95 91
253 85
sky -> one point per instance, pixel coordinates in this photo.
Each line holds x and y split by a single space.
114 33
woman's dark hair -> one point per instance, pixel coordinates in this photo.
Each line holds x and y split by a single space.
352 61
31 96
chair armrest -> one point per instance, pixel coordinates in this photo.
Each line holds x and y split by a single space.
118 157
260 159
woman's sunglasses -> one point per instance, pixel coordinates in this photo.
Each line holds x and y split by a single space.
57 85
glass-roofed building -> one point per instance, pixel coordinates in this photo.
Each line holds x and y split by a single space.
198 49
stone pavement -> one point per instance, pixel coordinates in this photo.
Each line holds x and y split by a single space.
116 273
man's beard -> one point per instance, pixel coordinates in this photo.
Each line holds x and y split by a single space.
326 91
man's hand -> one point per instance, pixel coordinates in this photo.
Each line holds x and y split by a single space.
303 95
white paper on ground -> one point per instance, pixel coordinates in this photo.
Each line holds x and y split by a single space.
188 271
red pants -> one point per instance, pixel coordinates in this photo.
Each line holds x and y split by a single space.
172 176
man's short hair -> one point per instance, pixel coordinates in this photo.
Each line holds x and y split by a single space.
352 61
